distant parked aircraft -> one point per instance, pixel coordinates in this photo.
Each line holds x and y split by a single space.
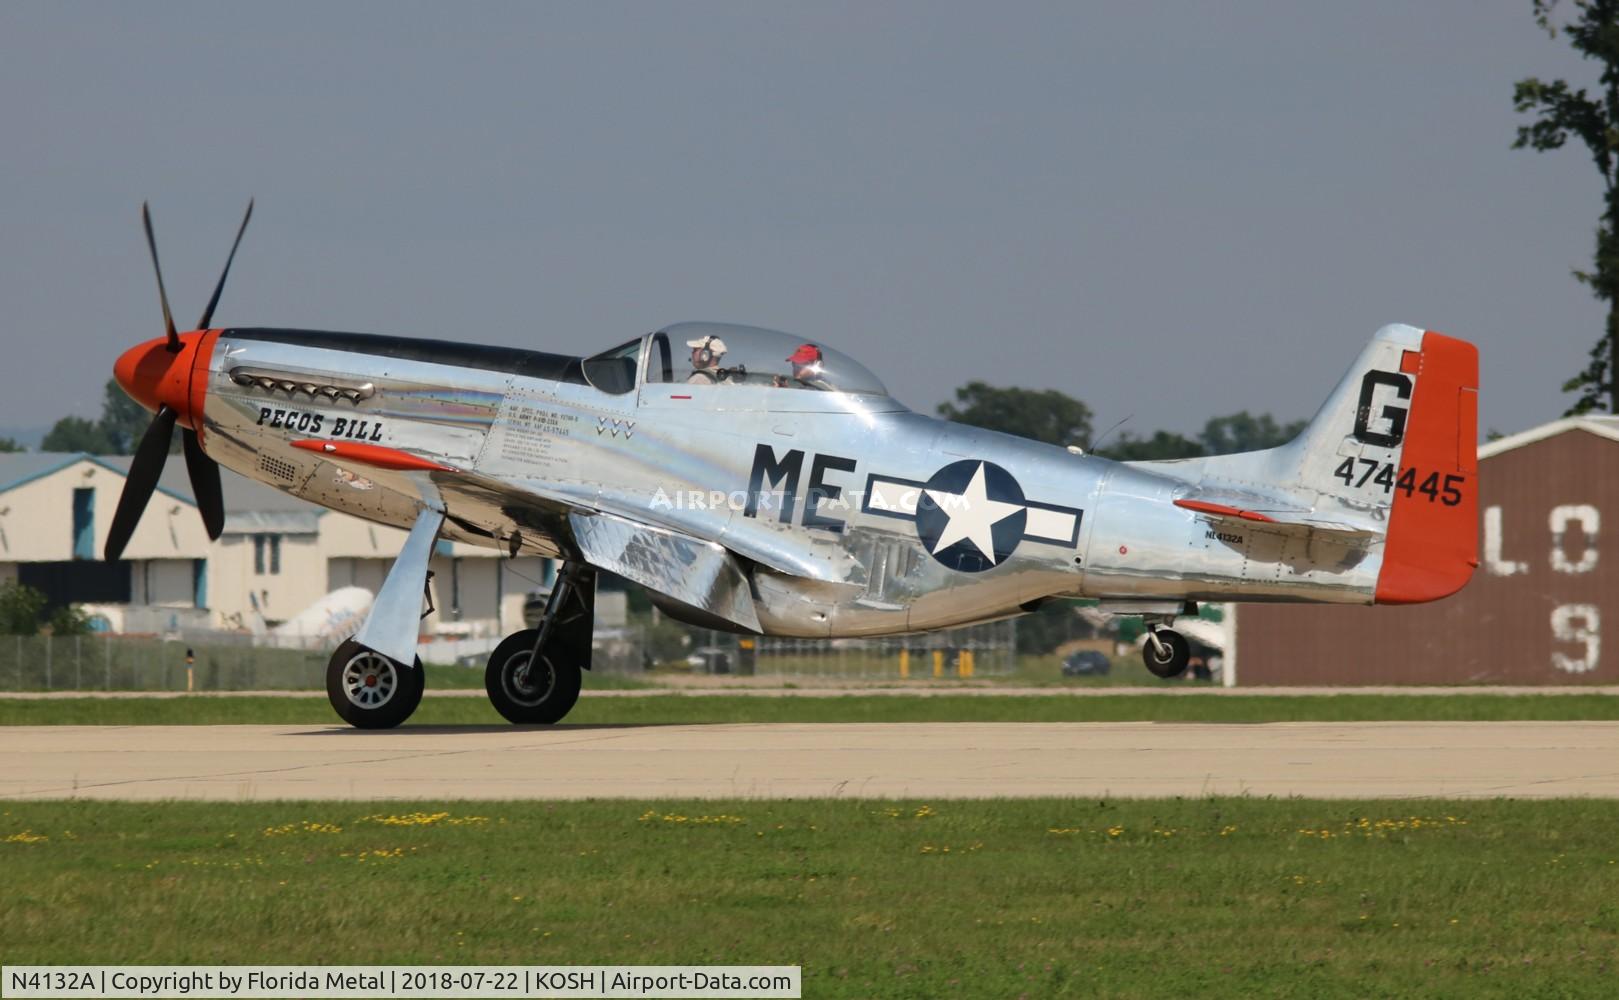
332 619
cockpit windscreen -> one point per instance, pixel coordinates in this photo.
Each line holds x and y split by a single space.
716 354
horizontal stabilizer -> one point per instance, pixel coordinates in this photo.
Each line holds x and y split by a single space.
1278 519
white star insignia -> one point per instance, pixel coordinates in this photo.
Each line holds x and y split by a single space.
973 516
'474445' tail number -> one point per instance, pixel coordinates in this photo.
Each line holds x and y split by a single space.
1358 472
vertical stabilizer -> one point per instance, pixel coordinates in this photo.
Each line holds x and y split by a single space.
1400 434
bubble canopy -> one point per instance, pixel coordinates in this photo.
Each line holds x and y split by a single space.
722 355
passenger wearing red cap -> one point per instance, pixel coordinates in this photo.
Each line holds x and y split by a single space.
807 370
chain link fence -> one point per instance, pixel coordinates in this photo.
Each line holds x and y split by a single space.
128 663
214 661
988 650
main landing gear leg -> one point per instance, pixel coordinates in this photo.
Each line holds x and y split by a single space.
534 675
375 680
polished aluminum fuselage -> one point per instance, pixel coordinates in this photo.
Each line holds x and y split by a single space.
522 453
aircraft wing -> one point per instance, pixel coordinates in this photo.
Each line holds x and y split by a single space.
688 570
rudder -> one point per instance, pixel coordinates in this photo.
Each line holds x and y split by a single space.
1432 545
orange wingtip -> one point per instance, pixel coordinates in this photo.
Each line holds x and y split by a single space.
1221 510
374 455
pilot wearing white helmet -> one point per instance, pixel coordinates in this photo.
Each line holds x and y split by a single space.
705 360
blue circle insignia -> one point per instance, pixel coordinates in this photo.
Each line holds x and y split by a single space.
971 515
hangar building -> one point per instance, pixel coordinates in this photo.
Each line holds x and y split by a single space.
1536 606
278 554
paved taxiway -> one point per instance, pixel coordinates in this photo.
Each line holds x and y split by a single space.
919 760
828 688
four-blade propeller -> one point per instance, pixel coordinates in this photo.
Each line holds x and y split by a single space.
147 465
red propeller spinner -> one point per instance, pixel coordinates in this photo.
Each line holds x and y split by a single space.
155 376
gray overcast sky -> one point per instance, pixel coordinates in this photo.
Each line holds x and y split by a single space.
1171 210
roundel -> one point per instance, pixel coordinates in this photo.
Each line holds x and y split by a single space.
971 515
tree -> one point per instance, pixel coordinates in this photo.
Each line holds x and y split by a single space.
1561 111
1245 432
123 420
1049 626
1042 414
1227 435
20 608
1161 446
77 434
70 619
117 432
1056 418
9 445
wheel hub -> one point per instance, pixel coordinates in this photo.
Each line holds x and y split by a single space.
525 684
370 680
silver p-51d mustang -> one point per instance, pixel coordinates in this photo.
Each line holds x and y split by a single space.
768 484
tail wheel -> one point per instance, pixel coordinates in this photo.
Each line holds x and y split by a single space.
1172 659
528 689
370 691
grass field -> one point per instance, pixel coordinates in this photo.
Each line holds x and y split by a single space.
663 709
1035 898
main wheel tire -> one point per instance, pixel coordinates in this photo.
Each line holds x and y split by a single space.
543 692
1178 651
370 691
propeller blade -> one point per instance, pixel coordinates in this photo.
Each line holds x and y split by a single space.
204 473
168 317
144 469
208 313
